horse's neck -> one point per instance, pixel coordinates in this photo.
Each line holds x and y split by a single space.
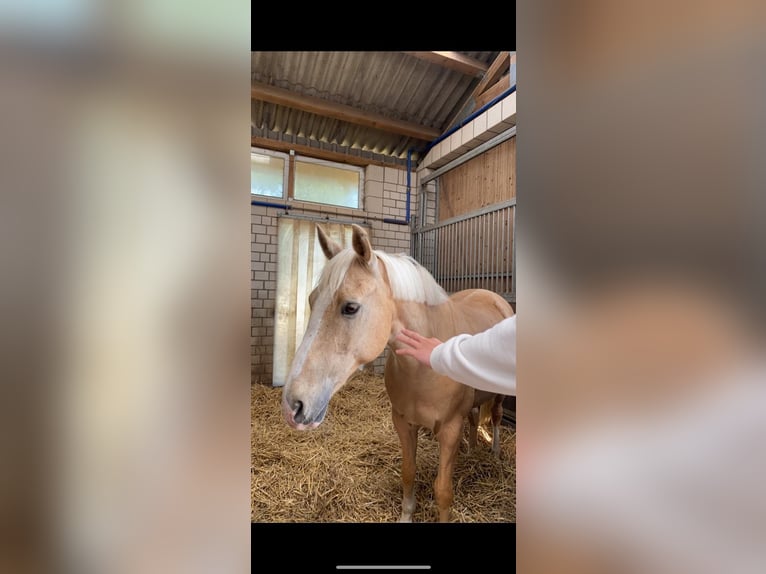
428 320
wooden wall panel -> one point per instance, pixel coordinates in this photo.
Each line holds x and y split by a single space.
487 179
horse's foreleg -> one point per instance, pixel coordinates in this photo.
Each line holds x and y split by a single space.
497 419
449 440
473 428
408 437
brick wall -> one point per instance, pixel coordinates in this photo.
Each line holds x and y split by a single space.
385 195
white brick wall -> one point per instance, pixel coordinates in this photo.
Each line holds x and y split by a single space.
485 126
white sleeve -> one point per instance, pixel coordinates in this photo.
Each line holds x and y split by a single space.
485 361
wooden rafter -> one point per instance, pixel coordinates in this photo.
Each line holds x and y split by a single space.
500 65
493 91
454 61
340 112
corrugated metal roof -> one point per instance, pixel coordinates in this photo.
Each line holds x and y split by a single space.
395 85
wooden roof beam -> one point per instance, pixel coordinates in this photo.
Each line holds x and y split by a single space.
496 69
454 61
492 92
500 65
341 112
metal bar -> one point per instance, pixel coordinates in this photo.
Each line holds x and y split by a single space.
509 281
491 249
513 265
478 150
417 250
506 253
498 253
496 287
501 235
484 247
459 235
482 211
466 260
448 253
500 259
480 222
431 261
325 219
474 250
453 257
439 251
441 235
437 255
477 251
322 217
480 275
461 254
258 203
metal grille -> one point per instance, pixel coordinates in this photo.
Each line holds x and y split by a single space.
472 251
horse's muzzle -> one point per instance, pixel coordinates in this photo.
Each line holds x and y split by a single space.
297 416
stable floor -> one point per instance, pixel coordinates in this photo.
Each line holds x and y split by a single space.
348 469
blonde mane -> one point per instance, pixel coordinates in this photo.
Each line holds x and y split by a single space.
409 280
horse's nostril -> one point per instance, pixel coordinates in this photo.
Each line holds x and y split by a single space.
298 411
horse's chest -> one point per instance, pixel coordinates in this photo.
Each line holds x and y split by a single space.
425 405
417 413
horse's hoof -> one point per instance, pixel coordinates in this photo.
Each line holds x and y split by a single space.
405 519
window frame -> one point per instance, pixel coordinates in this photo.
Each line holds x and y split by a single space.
285 173
336 165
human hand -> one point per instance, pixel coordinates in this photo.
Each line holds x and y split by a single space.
417 346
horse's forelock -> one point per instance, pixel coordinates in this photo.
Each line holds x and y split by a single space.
335 270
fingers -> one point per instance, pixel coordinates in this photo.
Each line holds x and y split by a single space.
412 335
407 337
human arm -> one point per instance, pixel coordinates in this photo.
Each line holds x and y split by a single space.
485 361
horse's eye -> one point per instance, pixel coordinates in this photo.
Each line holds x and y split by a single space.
350 309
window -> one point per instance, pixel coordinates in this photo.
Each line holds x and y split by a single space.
268 173
324 182
314 180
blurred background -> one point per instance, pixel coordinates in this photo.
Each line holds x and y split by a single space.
125 286
641 412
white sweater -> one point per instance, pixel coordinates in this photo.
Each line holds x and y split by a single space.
485 361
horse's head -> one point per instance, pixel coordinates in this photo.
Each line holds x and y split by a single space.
352 312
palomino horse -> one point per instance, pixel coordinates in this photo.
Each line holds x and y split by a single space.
362 301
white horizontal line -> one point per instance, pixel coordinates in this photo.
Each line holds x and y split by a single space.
382 567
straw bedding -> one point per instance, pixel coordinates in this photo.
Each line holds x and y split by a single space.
348 469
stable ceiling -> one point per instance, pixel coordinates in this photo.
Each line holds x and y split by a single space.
368 107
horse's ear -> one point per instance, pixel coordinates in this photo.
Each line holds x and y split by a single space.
329 246
361 243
